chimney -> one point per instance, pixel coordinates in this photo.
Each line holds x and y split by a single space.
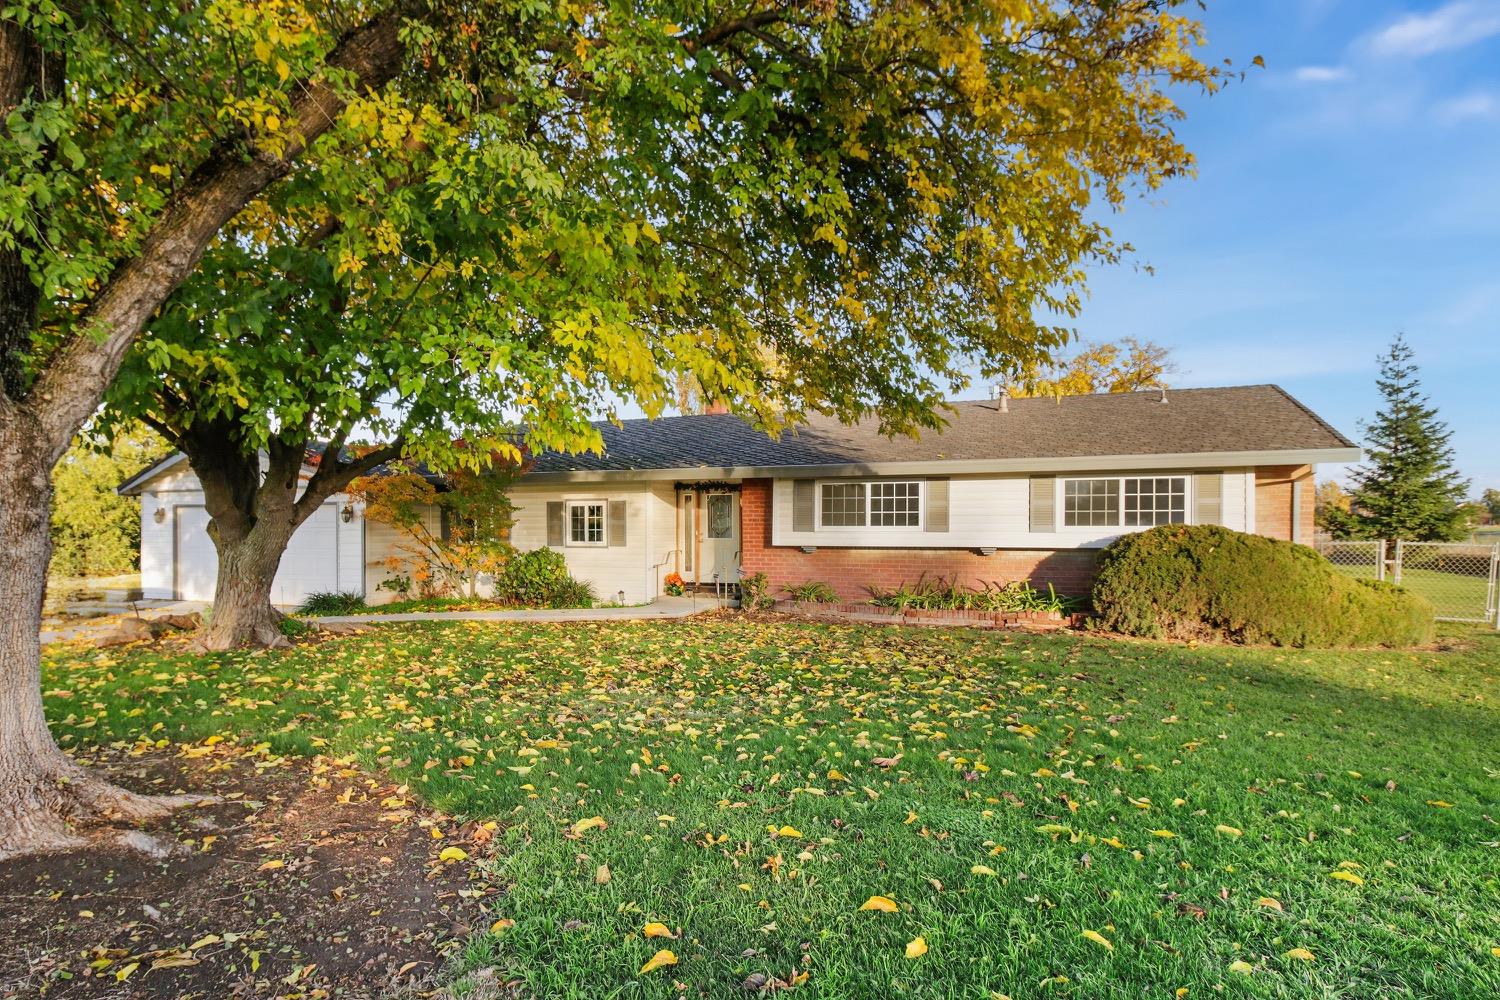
1163 399
717 406
1001 395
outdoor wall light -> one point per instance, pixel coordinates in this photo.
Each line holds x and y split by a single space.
160 515
621 597
346 515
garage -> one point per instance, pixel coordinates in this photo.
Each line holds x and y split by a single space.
309 565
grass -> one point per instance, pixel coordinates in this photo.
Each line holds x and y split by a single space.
1453 595
1155 795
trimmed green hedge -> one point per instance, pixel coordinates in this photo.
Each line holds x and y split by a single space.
1200 581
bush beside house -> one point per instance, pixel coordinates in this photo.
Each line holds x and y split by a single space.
1181 581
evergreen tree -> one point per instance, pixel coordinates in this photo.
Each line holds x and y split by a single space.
1409 488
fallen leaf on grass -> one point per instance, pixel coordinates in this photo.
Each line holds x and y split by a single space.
916 947
1299 953
1098 939
661 958
1270 904
1349 877
884 904
656 930
591 823
1241 966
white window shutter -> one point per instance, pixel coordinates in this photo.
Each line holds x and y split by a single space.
935 518
803 504
616 523
1208 498
555 517
1043 515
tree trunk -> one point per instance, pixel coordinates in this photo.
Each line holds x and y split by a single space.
242 613
45 798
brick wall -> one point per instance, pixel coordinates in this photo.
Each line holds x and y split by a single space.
850 570
1274 485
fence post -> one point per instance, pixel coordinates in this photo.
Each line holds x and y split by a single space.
1380 560
1494 598
1396 579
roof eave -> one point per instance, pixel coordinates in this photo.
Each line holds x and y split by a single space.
1183 460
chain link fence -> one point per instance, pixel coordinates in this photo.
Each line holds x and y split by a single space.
1459 578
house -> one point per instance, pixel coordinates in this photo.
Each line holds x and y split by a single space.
1011 489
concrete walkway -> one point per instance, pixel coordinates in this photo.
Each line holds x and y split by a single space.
664 607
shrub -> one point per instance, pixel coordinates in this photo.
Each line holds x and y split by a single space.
755 592
948 595
540 579
813 591
332 602
1184 581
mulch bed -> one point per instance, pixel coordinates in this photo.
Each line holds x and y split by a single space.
309 879
880 615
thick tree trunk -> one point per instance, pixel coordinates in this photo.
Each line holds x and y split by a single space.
242 613
45 798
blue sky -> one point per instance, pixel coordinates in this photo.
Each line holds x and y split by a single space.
1348 191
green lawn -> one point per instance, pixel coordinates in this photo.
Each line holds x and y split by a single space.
1037 788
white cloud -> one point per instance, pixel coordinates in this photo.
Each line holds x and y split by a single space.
1467 107
1320 74
1451 26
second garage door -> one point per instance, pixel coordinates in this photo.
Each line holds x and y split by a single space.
310 563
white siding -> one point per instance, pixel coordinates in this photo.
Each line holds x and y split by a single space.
990 511
383 542
634 567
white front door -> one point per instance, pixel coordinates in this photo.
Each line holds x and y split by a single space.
721 538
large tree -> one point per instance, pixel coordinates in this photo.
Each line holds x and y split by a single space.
835 207
1409 488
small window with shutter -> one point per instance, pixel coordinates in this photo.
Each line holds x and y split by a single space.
586 522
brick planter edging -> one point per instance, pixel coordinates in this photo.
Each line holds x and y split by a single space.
876 613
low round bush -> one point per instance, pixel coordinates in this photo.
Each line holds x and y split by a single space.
540 579
1200 581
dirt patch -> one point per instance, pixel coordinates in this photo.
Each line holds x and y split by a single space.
309 879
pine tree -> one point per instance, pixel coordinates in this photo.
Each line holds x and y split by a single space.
1409 488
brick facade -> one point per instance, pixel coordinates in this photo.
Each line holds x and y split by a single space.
1274 509
851 570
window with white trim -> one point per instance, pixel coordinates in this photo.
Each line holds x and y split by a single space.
1124 501
877 504
586 522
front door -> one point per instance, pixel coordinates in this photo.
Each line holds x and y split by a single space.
721 538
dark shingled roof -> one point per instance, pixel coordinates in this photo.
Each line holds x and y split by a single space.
1237 419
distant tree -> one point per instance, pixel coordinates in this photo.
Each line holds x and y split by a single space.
1127 365
1410 488
1331 507
95 531
1491 501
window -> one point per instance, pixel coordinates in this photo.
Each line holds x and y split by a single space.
1091 502
1137 502
843 505
1162 500
586 523
720 515
877 504
894 505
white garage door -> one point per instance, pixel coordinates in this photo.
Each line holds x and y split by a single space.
310 563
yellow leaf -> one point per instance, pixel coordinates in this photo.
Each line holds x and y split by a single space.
982 870
789 831
124 971
602 875
1163 833
434 833
1229 831
884 904
204 942
1270 904
585 825
663 957
1241 966
271 865
1098 939
836 775
1299 953
502 925
1349 877
453 854
655 930
1439 804
916 947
